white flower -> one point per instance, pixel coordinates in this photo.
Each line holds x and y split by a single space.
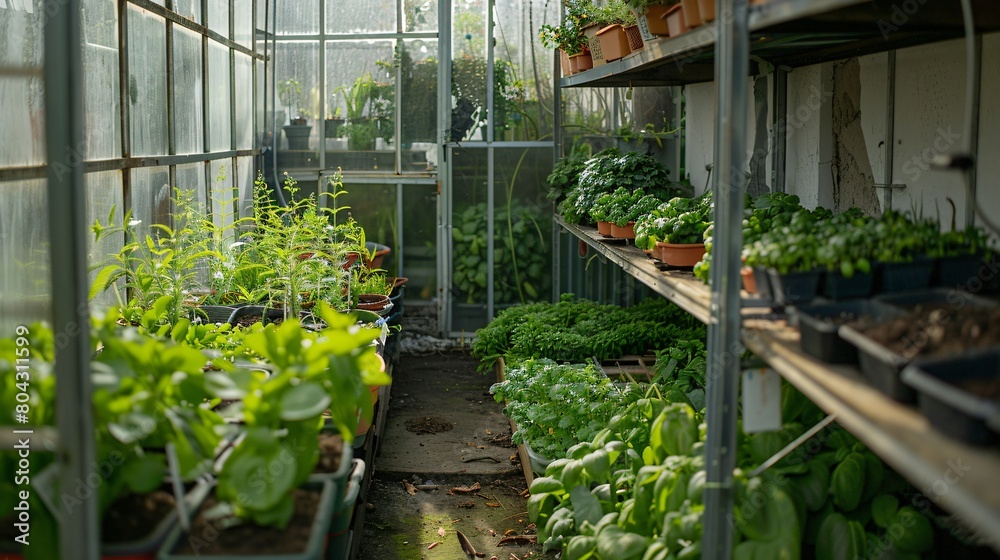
134 223
217 275
237 244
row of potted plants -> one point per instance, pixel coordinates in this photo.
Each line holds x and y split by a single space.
208 433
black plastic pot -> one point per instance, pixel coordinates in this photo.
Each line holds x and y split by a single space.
215 313
880 366
267 314
838 287
951 409
903 277
763 283
955 272
819 330
795 287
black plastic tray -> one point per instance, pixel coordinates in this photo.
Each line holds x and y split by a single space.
819 336
882 366
949 408
795 287
837 287
903 277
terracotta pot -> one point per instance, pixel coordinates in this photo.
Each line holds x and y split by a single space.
372 302
707 10
675 21
654 19
614 42
635 43
692 15
564 63
749 281
581 62
352 257
681 254
604 228
627 232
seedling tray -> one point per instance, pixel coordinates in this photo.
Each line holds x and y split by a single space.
941 385
818 328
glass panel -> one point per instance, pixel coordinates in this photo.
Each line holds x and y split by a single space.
220 127
25 294
104 192
102 133
244 102
419 104
298 18
192 177
364 16
360 81
420 15
523 76
469 274
218 16
21 34
223 194
523 226
468 71
589 112
243 22
374 207
22 110
190 9
147 82
244 181
150 198
297 66
189 135
420 241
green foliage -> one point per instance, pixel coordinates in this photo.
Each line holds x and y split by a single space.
568 36
679 220
622 206
566 171
610 170
557 406
576 331
520 254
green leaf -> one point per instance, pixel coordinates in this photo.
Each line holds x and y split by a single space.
586 506
144 474
258 474
306 400
884 508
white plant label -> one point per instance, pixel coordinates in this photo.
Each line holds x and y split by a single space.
761 400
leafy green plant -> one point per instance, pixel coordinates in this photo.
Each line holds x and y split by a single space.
642 5
568 36
520 257
557 406
610 170
566 171
357 97
623 206
679 220
615 11
576 331
163 263
311 373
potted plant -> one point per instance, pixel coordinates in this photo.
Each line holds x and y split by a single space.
615 17
333 124
649 16
297 131
569 36
370 291
676 230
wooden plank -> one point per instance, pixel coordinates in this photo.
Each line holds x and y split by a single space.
522 451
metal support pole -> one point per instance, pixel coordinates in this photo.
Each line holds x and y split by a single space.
890 123
780 136
444 165
977 78
732 62
67 214
490 187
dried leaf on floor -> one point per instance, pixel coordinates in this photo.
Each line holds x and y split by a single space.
441 531
489 432
493 504
433 544
410 489
466 489
466 545
519 540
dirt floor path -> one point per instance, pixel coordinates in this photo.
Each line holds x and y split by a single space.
448 439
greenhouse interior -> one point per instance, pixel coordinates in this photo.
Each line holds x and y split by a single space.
504 279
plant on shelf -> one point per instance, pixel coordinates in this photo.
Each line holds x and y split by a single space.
368 282
623 207
568 36
290 93
566 172
614 12
609 170
677 221
163 264
357 97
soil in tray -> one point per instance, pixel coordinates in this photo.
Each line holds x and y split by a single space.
938 330
251 539
134 517
331 450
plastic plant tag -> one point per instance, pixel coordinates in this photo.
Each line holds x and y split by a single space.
761 400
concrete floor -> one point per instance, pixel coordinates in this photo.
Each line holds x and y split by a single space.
433 392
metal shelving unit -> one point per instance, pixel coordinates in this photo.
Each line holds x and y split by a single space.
959 477
791 33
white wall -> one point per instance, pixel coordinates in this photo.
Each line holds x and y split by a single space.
929 108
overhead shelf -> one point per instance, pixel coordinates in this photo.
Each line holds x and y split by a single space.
794 33
959 477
